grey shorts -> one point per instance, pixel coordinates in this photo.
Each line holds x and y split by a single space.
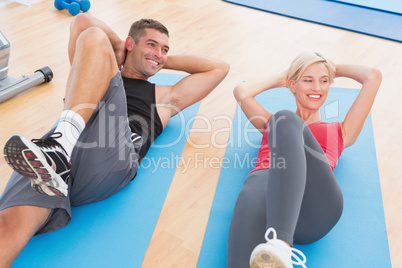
104 161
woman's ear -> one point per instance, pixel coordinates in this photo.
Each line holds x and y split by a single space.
130 43
292 86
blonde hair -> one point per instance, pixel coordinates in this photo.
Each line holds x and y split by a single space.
304 60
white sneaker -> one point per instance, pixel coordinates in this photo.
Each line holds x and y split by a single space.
276 253
44 161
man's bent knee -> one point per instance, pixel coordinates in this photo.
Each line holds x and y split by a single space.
95 38
93 46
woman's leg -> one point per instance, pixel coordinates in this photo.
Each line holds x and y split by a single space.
304 200
322 203
247 227
298 196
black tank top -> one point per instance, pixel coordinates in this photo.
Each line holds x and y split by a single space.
142 114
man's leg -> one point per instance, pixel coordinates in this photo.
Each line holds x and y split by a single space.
17 225
93 67
47 162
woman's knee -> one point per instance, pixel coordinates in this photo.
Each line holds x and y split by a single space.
284 122
307 233
286 116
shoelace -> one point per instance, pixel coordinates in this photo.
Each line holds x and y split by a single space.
49 141
300 258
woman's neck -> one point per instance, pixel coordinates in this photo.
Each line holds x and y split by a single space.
309 116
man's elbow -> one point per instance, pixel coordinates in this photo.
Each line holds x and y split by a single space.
222 68
225 67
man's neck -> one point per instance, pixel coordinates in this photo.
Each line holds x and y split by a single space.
132 73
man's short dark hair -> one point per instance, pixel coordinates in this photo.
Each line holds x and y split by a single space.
137 29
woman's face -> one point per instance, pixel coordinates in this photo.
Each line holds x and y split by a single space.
311 89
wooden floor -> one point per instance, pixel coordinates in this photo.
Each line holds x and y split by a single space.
254 43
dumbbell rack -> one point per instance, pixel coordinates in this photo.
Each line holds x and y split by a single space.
9 87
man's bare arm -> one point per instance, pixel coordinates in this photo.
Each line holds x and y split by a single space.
205 75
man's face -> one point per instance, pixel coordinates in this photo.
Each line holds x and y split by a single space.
150 53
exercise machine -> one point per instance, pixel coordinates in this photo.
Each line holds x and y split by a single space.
9 87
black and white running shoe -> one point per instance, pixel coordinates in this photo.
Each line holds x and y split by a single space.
44 161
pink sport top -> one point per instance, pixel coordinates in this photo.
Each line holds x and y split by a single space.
328 135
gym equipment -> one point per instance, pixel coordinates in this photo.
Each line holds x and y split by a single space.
73 8
85 5
9 87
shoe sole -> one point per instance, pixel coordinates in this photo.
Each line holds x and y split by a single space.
25 158
266 259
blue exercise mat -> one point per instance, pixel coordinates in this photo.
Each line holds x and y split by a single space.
116 232
394 6
349 17
360 237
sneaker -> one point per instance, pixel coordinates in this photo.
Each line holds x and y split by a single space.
275 253
44 161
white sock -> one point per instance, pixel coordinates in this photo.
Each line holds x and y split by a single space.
70 126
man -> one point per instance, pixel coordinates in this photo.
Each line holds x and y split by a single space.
110 119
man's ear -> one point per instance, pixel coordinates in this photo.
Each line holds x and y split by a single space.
130 43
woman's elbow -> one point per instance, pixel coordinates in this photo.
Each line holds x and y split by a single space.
237 92
375 76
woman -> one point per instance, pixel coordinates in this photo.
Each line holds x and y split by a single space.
298 201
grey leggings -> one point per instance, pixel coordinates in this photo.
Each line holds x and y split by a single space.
298 195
